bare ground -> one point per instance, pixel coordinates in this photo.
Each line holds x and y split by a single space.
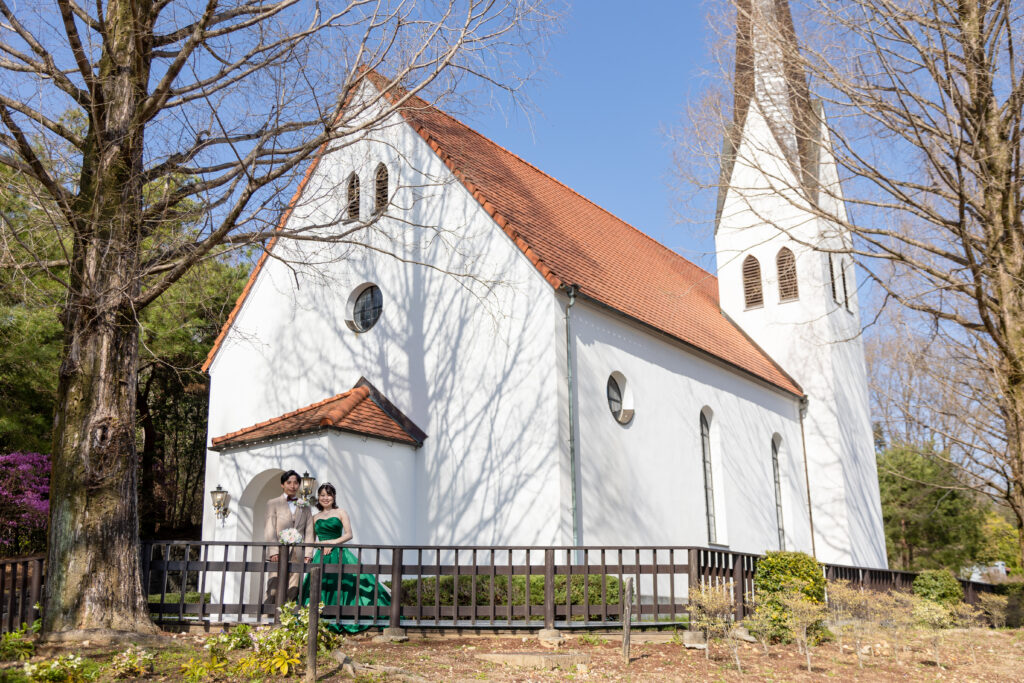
975 655
966 655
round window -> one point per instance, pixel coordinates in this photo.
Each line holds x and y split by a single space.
620 399
366 308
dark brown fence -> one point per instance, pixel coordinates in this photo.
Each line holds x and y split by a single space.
21 582
480 587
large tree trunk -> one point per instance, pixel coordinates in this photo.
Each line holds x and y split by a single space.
93 584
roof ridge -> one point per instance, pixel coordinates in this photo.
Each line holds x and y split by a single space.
346 404
567 187
504 223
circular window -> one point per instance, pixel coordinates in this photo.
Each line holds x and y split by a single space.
620 398
365 306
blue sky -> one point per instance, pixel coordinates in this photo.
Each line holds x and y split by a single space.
612 82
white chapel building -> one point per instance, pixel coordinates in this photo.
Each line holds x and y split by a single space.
509 364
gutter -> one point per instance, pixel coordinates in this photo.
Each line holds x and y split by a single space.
572 290
807 479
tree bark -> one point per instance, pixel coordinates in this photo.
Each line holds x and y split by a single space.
93 584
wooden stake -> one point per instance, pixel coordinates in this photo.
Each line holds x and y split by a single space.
312 644
627 617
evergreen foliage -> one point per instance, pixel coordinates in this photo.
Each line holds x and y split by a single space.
938 585
931 519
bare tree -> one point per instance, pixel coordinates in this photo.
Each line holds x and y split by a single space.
195 113
898 124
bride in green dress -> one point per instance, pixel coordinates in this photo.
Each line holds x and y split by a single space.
332 526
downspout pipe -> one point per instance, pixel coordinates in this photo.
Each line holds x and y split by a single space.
572 290
807 479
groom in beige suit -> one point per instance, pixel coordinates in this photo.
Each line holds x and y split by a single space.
286 512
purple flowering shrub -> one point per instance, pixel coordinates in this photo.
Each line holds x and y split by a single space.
24 502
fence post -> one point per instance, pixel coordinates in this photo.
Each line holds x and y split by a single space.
627 618
549 588
313 635
283 557
737 586
394 629
36 589
692 580
548 634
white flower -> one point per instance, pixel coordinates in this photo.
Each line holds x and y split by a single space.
302 502
290 536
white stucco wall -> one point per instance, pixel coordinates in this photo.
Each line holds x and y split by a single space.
815 339
471 346
375 481
643 483
463 347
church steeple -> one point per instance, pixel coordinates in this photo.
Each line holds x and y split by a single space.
784 278
768 72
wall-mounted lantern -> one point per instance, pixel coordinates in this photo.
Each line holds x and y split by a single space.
220 502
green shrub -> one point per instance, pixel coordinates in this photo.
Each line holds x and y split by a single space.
938 585
191 597
276 651
1014 592
780 573
240 637
17 645
778 570
429 587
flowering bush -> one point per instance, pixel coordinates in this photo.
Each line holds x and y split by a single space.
24 502
132 663
63 669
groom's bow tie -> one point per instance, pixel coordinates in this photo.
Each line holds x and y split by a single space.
292 499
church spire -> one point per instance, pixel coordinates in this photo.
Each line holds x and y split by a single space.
768 72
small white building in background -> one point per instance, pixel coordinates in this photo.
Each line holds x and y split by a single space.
511 364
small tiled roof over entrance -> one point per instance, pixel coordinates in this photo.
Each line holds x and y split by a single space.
360 410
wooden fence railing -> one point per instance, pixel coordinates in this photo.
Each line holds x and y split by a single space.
21 584
480 587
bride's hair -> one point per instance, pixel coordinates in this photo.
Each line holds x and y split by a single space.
332 491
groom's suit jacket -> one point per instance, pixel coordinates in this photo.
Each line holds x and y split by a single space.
280 517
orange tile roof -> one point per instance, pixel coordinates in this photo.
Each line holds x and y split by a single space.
359 410
572 241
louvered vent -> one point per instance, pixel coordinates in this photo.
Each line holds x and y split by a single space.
786 264
753 294
352 209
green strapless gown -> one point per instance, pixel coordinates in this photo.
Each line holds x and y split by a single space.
350 589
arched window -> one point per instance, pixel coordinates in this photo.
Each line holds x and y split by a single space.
846 294
752 293
832 279
709 490
778 493
380 189
785 262
352 206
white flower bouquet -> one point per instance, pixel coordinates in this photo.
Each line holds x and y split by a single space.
302 502
290 537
